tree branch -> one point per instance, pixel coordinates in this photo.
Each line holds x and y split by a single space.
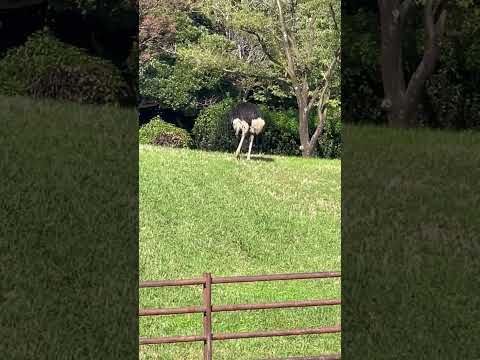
429 24
326 84
264 46
322 115
435 32
327 75
286 47
332 13
440 25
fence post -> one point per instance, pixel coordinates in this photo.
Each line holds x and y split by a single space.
207 316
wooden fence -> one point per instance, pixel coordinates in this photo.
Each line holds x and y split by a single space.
208 337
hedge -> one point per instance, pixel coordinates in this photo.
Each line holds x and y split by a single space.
45 67
159 132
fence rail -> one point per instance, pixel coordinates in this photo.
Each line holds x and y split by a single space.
208 309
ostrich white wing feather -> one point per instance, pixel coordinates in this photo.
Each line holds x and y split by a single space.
257 126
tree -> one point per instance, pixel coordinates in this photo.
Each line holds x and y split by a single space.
156 37
294 43
167 27
298 74
157 27
402 98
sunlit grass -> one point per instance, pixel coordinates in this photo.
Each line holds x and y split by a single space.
209 212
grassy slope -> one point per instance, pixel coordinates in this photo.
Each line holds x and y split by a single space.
208 212
410 244
68 225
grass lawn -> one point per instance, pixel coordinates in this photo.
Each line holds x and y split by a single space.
410 244
204 211
68 229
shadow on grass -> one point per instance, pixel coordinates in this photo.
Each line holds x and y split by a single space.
260 158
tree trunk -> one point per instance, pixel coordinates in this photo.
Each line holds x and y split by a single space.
301 88
392 62
303 126
401 102
403 112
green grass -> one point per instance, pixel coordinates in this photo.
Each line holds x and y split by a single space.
68 227
204 211
410 244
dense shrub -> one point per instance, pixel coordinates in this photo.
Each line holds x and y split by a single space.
46 67
281 132
330 143
158 132
212 129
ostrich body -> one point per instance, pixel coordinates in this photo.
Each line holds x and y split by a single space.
246 118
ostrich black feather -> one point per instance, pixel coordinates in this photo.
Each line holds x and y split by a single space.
245 112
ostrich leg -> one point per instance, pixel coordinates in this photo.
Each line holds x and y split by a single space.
250 147
237 153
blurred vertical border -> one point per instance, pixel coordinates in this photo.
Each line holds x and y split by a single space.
69 189
410 233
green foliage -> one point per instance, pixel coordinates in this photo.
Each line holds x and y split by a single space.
169 73
226 49
330 143
212 130
186 30
260 61
46 67
360 72
173 86
92 6
158 132
281 132
177 83
453 89
472 60
255 29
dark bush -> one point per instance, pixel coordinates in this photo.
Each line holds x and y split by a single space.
158 132
281 132
84 84
46 67
169 139
212 129
330 143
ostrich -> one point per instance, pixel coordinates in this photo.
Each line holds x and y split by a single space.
246 118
